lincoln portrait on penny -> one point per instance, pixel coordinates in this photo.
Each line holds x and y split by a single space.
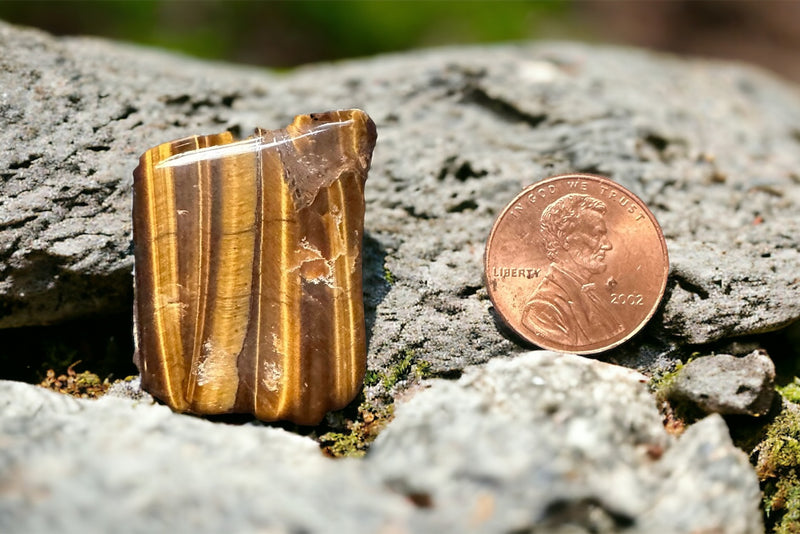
567 307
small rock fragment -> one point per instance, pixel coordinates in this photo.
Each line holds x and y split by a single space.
726 384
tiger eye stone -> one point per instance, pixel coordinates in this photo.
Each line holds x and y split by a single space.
248 269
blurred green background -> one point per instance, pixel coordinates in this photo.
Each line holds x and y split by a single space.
287 33
282 34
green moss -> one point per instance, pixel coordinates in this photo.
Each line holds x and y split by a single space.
388 276
661 384
422 369
359 434
399 370
351 436
777 465
782 505
85 384
791 391
407 364
340 444
783 441
87 379
371 377
788 490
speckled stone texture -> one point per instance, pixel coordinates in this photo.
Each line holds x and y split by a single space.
713 148
540 443
726 384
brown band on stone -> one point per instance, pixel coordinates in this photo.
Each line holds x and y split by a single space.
248 269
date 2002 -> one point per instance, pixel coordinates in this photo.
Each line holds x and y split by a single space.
629 299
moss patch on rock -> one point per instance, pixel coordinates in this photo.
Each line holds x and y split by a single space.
388 276
677 415
777 460
358 434
86 384
661 384
791 391
406 365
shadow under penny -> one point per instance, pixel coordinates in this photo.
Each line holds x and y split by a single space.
508 333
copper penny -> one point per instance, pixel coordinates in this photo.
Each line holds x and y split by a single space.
576 263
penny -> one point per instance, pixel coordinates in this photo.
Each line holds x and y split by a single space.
576 263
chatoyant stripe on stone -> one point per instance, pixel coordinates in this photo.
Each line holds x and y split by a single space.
248 269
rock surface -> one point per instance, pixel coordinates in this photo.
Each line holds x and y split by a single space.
547 440
531 443
713 148
726 384
539 443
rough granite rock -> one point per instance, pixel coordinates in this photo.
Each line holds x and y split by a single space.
713 148
546 440
118 465
727 384
539 443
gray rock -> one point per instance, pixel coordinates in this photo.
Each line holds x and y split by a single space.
547 442
539 443
74 117
117 465
712 147
727 384
687 501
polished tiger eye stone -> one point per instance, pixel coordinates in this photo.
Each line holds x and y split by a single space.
248 269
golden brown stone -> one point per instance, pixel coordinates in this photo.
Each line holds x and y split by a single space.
248 269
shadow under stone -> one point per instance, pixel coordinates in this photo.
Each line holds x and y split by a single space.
376 285
103 345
